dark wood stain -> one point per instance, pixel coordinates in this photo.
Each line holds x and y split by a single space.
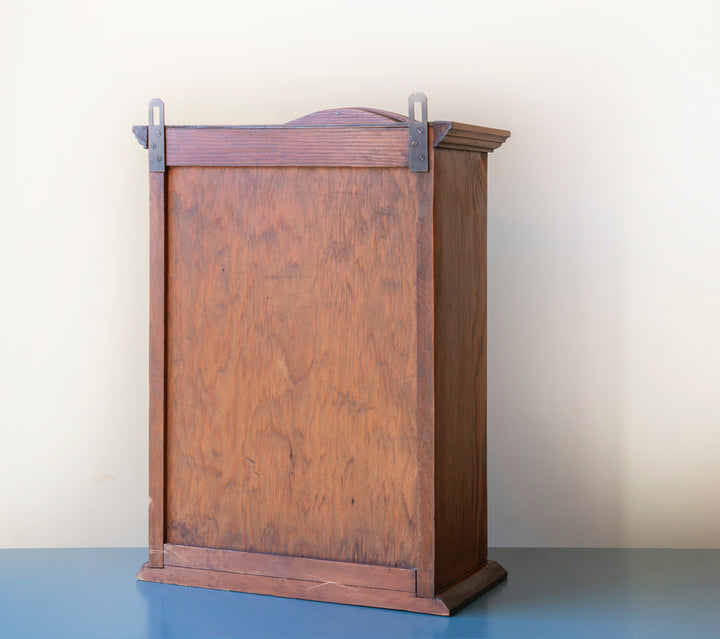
472 586
460 364
468 137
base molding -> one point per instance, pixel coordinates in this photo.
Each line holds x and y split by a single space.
446 603
473 586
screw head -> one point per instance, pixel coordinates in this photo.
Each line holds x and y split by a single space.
159 158
414 143
421 157
157 133
420 130
154 146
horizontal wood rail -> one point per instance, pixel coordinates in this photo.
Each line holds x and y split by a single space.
267 565
288 146
372 145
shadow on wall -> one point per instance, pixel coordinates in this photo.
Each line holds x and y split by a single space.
555 312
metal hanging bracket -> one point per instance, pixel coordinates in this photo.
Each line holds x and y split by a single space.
417 133
156 135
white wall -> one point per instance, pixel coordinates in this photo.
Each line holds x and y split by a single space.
604 356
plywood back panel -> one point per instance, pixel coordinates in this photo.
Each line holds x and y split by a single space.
291 362
460 364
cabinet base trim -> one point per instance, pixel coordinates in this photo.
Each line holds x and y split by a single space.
446 603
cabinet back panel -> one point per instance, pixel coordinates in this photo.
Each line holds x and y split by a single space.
291 362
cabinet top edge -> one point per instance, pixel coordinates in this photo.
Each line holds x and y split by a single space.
446 134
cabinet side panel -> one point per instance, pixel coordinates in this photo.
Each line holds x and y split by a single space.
292 362
460 364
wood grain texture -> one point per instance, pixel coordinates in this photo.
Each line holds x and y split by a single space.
319 570
424 185
472 586
318 362
467 137
356 146
349 116
295 588
460 364
292 362
157 369
446 603
265 145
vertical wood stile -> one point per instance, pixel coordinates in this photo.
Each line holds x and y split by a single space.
482 479
460 365
425 385
156 508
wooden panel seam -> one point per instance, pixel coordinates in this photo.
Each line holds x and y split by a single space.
287 567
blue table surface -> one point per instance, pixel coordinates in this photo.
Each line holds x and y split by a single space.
579 593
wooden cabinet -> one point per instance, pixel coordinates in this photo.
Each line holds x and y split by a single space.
318 358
